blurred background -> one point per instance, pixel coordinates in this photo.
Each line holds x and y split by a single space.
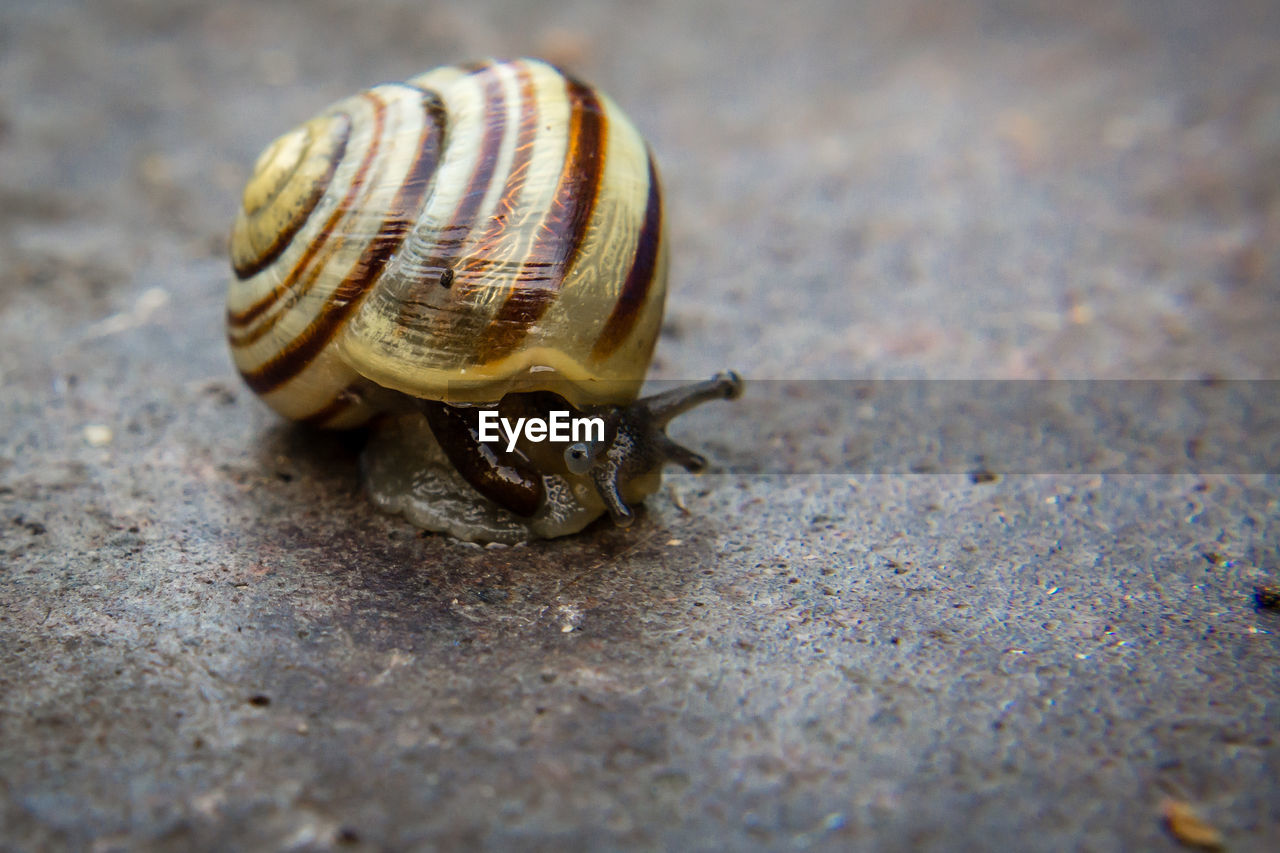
868 189
209 639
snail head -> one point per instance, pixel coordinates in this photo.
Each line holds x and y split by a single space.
636 443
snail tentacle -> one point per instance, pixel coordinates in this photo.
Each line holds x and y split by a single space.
694 463
663 407
607 482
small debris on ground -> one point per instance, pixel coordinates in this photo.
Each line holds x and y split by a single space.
1188 827
98 435
1267 596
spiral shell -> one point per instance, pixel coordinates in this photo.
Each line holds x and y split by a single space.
477 230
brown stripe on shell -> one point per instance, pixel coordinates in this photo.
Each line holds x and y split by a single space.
282 240
450 241
495 124
481 255
562 233
248 315
631 300
402 213
246 337
495 120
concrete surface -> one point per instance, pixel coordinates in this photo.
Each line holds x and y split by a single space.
208 638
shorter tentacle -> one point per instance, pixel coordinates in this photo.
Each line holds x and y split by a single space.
695 463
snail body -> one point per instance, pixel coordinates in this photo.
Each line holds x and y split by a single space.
427 250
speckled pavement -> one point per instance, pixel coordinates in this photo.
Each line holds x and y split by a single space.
210 640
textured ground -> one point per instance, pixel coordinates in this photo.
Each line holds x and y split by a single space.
209 639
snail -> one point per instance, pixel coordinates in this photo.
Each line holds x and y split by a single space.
481 241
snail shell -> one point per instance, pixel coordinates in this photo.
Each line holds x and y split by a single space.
476 232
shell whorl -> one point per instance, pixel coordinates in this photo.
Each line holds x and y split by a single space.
473 231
